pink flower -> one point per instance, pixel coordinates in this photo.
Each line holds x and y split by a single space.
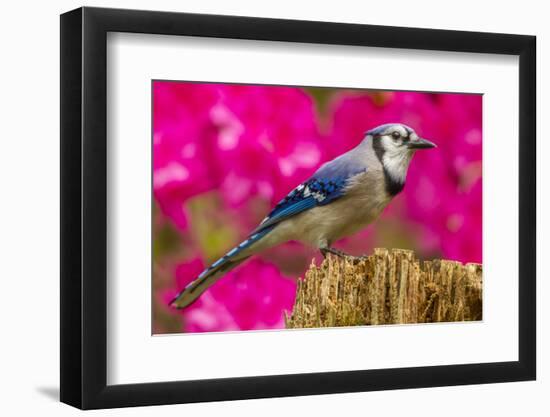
183 145
460 125
244 141
252 296
272 144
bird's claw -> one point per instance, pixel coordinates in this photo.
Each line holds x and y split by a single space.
340 254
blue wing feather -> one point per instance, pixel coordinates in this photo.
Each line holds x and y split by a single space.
317 191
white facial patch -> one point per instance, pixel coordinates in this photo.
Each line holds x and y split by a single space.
396 159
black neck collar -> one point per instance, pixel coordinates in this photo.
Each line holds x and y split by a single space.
393 186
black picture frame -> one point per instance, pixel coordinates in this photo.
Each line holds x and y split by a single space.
84 207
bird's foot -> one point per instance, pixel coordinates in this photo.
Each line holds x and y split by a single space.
339 253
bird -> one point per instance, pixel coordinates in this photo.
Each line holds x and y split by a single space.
342 197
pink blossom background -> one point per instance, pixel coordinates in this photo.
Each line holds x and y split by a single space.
224 155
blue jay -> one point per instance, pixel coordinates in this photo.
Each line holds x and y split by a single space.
342 197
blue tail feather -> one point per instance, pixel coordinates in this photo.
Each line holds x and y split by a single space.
215 271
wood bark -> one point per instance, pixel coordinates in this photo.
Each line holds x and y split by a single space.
388 287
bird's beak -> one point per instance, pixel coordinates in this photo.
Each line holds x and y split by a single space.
421 144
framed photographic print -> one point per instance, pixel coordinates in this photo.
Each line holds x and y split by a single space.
258 207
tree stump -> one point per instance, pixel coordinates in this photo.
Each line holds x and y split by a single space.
388 287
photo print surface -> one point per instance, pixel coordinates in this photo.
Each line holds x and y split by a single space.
296 207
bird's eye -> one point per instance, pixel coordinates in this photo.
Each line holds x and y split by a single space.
396 135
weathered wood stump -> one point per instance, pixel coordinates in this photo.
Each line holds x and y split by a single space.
388 287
